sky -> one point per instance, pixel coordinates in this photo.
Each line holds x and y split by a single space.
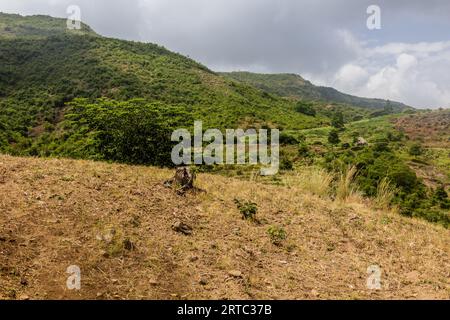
326 41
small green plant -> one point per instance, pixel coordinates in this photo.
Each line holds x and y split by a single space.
277 234
248 209
416 150
286 164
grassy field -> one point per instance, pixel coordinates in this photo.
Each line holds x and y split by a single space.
115 223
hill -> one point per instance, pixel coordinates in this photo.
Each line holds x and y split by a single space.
38 26
115 223
45 67
294 86
429 132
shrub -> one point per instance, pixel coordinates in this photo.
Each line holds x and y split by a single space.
287 139
416 150
286 163
277 235
306 108
333 137
303 150
337 120
248 209
440 197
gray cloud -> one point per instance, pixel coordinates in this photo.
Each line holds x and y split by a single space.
326 40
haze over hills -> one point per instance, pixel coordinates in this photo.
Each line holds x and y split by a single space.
294 86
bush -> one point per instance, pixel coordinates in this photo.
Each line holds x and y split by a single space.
303 150
333 137
135 132
248 209
337 120
440 197
287 139
286 163
416 150
306 108
277 234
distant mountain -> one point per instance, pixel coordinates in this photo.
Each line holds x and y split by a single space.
294 86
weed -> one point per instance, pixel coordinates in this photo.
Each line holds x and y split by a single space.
248 209
277 234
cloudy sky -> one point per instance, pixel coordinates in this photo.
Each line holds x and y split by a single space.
327 42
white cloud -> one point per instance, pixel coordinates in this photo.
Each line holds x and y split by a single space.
416 74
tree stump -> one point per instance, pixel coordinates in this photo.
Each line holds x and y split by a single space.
182 181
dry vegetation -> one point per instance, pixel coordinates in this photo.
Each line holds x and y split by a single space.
115 222
431 128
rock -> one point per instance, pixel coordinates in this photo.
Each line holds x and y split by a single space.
360 142
182 228
193 259
24 297
235 273
115 281
203 281
315 293
153 282
24 282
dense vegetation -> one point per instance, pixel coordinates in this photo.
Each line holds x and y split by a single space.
385 157
45 69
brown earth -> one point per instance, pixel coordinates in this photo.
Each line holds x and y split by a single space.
431 128
115 223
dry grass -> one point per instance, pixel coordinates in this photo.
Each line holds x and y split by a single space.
316 181
385 194
57 213
345 187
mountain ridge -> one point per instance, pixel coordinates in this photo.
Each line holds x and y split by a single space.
292 85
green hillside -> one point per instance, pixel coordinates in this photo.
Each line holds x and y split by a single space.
44 67
14 25
294 86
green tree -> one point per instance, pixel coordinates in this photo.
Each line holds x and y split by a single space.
337 120
306 108
333 137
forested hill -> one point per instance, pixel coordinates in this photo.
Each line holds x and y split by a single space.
58 65
38 26
45 66
45 69
294 86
